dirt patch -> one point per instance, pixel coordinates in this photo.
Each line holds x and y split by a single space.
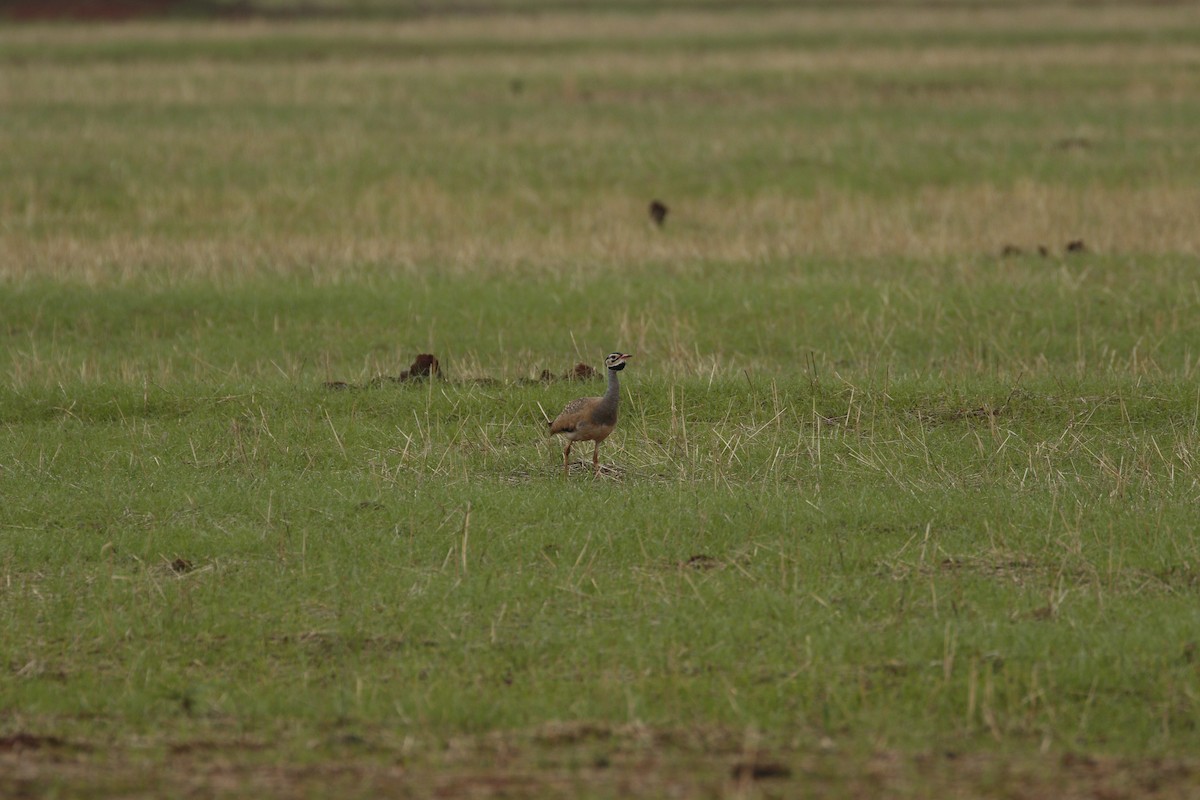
200 746
426 367
558 734
568 772
759 770
580 372
21 741
586 759
423 367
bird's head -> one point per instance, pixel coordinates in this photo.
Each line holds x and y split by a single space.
616 361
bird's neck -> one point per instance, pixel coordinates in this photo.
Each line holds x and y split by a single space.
614 387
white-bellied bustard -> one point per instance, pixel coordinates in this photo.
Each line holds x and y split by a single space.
591 418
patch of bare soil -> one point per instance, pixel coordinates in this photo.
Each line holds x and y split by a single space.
580 372
423 367
754 770
578 760
181 565
427 366
21 741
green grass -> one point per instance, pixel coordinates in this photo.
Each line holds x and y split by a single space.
887 509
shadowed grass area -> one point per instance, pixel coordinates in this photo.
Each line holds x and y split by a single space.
903 496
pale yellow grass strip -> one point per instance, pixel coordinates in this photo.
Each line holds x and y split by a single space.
665 26
462 238
383 82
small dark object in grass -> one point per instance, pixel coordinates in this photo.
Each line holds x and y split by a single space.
1043 251
581 372
760 770
658 212
336 385
28 741
425 366
182 565
1076 246
1011 250
700 561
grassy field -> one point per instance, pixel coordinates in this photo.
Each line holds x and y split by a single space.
898 504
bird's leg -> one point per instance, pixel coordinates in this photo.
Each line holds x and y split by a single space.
566 458
596 460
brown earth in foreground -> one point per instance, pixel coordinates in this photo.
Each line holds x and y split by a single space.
570 760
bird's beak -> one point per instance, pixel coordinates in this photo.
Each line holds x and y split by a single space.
626 355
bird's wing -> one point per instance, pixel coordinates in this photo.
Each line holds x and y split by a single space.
575 412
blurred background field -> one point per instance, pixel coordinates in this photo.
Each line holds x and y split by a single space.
903 498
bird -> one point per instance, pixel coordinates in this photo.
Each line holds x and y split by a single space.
591 419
